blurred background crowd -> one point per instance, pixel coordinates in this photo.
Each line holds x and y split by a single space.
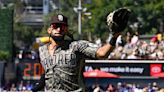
124 87
96 87
135 48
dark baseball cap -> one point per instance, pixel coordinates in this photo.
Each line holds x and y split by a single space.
59 19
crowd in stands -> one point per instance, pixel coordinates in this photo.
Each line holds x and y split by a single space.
132 47
21 86
124 87
120 87
140 49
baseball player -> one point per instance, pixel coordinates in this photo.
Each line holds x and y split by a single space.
61 58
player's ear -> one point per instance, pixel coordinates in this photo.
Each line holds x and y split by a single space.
49 30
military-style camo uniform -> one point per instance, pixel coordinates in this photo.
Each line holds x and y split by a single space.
63 69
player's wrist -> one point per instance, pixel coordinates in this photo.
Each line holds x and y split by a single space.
112 39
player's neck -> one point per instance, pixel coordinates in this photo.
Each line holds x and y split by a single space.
57 43
51 48
54 44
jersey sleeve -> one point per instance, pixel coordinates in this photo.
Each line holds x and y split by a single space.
87 48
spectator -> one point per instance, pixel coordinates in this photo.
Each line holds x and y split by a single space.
110 88
161 90
97 88
155 87
21 86
29 86
13 87
119 84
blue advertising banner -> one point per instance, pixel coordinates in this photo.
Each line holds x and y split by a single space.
129 68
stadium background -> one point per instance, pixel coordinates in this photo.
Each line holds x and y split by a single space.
22 30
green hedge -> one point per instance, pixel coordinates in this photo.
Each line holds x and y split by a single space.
6 31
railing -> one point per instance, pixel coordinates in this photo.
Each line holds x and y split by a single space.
33 10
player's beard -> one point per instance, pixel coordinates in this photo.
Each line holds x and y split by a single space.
57 38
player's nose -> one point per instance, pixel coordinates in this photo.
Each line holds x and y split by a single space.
58 29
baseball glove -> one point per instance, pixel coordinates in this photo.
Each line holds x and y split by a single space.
117 20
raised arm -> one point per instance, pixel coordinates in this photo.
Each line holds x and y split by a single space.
104 51
117 22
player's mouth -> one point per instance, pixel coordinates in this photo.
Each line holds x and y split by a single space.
57 34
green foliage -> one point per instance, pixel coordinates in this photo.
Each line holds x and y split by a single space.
6 20
4 55
23 33
147 13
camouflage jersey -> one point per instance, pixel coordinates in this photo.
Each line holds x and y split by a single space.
63 70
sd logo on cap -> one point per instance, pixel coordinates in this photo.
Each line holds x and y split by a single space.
59 19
